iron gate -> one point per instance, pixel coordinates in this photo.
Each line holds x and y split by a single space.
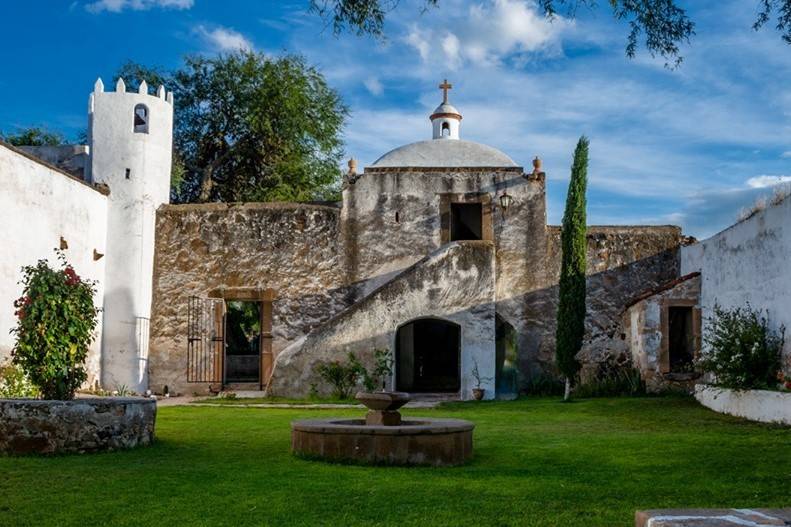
205 339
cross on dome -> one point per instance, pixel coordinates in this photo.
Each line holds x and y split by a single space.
445 87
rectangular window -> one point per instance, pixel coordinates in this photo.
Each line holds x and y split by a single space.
466 221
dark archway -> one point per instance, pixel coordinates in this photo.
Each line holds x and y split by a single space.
506 375
428 356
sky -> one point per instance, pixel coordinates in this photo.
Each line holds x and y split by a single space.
690 146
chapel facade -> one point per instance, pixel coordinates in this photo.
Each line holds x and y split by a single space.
439 252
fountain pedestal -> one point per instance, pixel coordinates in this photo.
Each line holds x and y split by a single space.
383 437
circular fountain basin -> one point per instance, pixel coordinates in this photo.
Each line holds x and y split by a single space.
419 441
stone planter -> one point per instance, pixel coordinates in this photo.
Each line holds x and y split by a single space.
757 405
30 426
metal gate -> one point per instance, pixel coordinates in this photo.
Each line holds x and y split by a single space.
205 339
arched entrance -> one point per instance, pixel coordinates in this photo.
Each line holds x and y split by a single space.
506 373
428 354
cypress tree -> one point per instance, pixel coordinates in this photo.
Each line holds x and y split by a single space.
571 306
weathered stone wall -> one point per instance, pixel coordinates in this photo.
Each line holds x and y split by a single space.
623 261
29 426
642 323
290 248
454 283
748 262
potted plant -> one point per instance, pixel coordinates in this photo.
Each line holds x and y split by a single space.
478 392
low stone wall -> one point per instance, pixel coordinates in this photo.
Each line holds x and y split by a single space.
29 426
755 405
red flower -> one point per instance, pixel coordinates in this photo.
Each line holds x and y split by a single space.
71 277
788 385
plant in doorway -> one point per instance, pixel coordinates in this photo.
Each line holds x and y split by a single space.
382 370
478 392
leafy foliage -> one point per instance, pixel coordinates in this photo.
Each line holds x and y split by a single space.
343 378
571 306
14 384
360 16
613 379
783 8
382 370
56 320
544 384
743 353
250 127
663 25
34 136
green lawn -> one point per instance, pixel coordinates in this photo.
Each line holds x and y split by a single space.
537 462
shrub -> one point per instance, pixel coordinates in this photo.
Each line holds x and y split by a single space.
544 384
14 384
343 378
383 368
742 352
613 379
56 320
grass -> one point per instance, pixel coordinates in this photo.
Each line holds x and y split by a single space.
537 462
241 401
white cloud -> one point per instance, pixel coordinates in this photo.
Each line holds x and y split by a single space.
224 39
488 33
116 6
374 86
786 154
765 181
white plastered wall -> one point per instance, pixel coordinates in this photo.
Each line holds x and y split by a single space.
38 206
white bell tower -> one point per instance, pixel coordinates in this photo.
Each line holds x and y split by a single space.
131 139
446 119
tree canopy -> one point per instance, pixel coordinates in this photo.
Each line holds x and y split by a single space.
250 127
33 136
661 25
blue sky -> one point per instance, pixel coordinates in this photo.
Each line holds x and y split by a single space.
690 146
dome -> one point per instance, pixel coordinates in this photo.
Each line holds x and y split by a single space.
445 110
438 153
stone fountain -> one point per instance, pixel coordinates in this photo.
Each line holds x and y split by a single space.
383 437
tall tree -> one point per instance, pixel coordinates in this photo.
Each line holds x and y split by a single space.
249 127
662 24
571 306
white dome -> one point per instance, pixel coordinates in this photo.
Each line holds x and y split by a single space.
440 154
446 108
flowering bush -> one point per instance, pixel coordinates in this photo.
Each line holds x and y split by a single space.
56 322
14 384
743 353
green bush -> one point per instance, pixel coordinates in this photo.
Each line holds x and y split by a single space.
14 384
343 378
613 379
741 351
56 322
544 384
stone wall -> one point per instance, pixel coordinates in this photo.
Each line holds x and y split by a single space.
454 283
748 262
29 426
290 248
645 326
623 261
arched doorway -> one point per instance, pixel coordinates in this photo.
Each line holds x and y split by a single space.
428 354
506 373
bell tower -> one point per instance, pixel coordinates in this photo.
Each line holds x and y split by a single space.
130 136
446 119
